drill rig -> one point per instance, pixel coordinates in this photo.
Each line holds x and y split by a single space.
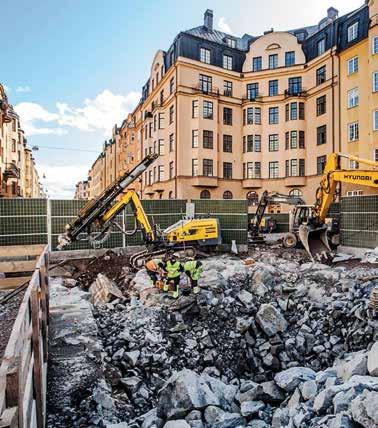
185 235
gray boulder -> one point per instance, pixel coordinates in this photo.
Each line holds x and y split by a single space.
218 418
364 409
178 423
356 365
250 408
270 319
372 361
289 379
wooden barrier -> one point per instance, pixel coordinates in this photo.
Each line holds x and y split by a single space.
24 367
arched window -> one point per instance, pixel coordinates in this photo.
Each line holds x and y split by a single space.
227 195
252 198
295 192
170 196
205 194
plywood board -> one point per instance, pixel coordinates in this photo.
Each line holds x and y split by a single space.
17 266
10 283
21 250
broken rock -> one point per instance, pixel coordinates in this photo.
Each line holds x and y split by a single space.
270 319
289 379
218 418
364 409
372 361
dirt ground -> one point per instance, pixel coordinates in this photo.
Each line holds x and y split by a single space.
8 314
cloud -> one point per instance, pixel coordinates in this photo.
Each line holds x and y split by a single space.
223 26
23 89
7 88
60 181
98 114
33 112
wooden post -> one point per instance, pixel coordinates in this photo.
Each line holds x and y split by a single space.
42 281
38 357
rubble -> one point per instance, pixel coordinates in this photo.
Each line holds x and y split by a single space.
272 342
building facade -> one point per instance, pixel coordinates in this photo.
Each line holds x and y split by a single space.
18 173
82 190
234 116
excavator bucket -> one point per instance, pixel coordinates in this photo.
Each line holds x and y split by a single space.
315 240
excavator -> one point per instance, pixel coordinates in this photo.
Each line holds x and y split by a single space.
96 219
311 220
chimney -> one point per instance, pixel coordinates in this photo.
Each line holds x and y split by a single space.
332 13
208 19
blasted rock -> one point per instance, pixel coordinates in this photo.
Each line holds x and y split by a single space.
289 379
178 423
218 418
372 361
357 365
151 420
364 409
250 408
270 320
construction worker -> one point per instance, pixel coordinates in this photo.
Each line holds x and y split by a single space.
156 271
174 269
193 269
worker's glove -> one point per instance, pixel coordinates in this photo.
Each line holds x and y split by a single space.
175 294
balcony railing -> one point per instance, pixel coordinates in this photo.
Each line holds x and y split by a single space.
295 93
11 171
213 91
256 97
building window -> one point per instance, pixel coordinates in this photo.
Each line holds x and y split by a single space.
352 32
301 111
227 143
161 147
252 91
171 143
375 81
352 65
170 195
249 172
293 111
227 62
257 169
194 138
249 115
321 105
350 193
231 42
205 55
293 139
227 170
227 88
353 98
273 115
14 143
227 195
289 58
205 194
353 131
353 164
194 167
208 167
195 108
320 164
227 116
171 169
374 47
207 110
257 143
321 135
160 172
293 167
171 85
171 114
207 139
273 88
161 120
273 142
273 61
295 85
321 46
296 192
257 115
161 97
273 169
249 143
301 168
301 139
375 120
205 83
321 75
375 157
257 63
150 177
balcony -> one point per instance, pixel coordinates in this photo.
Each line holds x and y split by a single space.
204 181
295 93
11 171
256 97
252 183
212 91
295 181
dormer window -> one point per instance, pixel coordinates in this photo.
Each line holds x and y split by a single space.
205 55
352 32
227 62
231 42
321 46
301 36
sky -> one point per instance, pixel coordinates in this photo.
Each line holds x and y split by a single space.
74 68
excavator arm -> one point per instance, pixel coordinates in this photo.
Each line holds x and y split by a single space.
313 235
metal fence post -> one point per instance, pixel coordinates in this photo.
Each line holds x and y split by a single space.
123 228
48 222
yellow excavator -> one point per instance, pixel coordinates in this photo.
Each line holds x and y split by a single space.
311 220
185 235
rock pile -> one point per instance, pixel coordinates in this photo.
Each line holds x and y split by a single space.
268 343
